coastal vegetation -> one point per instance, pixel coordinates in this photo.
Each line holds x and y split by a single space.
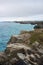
35 36
24 49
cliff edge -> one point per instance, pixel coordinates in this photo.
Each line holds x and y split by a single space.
24 49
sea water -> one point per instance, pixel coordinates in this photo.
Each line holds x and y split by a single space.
9 29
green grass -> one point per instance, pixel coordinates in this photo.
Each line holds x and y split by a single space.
36 36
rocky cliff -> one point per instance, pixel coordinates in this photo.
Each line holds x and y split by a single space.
24 49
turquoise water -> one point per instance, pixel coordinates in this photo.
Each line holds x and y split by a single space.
9 29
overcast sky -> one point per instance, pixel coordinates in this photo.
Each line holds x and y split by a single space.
21 8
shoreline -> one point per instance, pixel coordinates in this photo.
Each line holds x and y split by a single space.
23 47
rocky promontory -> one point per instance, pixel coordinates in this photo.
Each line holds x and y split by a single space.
24 49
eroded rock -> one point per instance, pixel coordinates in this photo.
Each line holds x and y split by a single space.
19 53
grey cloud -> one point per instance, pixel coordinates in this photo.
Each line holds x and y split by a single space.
20 8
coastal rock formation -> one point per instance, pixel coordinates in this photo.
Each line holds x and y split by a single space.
23 38
13 39
3 58
20 51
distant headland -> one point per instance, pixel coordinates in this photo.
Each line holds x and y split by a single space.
38 24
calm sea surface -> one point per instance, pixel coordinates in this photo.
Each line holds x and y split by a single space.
9 29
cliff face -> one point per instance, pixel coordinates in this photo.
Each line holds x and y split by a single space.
24 49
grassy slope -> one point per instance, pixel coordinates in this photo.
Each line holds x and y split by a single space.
35 36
